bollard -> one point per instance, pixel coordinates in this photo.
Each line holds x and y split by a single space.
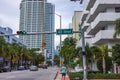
77 78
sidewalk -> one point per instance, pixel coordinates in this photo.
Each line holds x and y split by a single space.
59 76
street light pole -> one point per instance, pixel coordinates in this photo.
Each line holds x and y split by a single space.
60 34
60 28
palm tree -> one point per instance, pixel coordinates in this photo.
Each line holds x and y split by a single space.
91 54
117 28
104 53
57 59
94 55
116 53
13 52
3 47
88 54
34 56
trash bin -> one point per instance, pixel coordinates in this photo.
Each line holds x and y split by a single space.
77 78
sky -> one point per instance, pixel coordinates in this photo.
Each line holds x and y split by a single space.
10 14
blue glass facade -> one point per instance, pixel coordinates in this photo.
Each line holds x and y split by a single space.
10 39
31 21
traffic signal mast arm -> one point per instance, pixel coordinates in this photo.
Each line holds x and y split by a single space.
35 33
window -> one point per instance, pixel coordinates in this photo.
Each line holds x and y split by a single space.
117 9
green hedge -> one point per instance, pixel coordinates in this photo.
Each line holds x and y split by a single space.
73 76
103 76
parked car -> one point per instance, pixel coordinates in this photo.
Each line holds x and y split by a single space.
33 68
21 68
44 66
40 65
6 68
1 69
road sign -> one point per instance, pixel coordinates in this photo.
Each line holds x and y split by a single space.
62 58
71 62
64 31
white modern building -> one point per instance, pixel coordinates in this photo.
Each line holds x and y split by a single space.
31 19
98 21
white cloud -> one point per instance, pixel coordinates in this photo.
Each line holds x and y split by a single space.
9 15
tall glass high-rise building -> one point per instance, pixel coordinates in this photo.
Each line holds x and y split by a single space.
31 21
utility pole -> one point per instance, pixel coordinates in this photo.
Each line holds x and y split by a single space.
84 56
83 48
60 34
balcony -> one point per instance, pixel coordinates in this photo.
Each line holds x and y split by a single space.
104 36
90 4
102 20
101 6
85 25
84 15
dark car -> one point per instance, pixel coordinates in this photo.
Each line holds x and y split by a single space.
44 66
21 68
6 68
1 69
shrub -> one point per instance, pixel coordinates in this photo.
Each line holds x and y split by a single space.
95 72
94 76
75 75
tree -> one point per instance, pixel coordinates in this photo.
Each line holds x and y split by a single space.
89 54
68 49
79 55
3 50
36 58
104 53
116 53
57 59
117 28
108 61
2 46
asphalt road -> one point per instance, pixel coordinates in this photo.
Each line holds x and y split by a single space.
41 74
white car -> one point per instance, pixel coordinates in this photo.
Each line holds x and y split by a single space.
33 68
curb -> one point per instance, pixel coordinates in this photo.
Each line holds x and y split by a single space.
56 76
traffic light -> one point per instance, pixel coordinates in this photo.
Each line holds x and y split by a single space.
21 32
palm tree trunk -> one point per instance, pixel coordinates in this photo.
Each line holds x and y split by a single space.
11 62
104 65
91 65
21 61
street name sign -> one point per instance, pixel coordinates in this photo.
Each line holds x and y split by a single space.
64 31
